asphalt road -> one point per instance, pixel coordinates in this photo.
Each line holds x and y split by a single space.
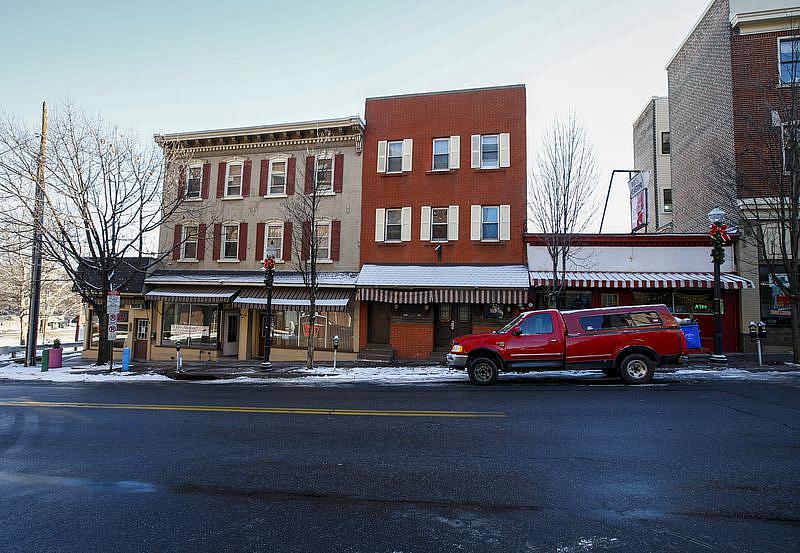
558 467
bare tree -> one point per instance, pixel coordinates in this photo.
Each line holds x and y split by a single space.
303 211
106 195
561 188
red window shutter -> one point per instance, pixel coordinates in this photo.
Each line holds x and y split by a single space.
217 240
248 170
306 245
201 242
260 227
336 228
291 169
242 241
287 241
262 178
206 180
309 175
338 173
176 242
221 180
181 182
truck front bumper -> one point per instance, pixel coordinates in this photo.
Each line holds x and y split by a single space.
456 360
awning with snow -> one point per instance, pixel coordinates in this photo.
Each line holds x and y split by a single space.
295 298
450 295
193 294
596 279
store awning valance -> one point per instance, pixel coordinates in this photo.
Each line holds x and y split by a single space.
597 279
193 294
295 298
447 295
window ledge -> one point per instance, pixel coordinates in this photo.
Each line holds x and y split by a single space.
270 196
187 260
441 171
489 169
232 198
390 175
490 242
324 260
391 243
227 261
185 199
787 85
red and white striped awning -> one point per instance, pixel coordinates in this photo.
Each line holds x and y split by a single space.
445 295
295 298
596 279
193 294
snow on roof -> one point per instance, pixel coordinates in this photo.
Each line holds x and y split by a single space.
444 276
248 278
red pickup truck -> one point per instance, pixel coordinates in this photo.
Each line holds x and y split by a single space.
622 341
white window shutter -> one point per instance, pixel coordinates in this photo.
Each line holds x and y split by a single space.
505 152
382 145
425 223
452 223
408 145
405 228
455 152
476 151
475 223
380 224
505 222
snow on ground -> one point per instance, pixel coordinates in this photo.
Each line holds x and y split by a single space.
371 375
19 372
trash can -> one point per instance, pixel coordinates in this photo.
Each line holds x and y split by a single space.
54 358
45 360
692 334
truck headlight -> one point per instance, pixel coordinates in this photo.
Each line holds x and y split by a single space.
457 348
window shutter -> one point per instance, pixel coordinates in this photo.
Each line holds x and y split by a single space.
262 178
309 175
261 229
201 241
452 223
505 222
380 224
338 173
246 172
306 238
217 240
287 241
176 242
475 223
221 179
291 170
381 156
336 231
425 223
405 227
476 151
242 241
408 146
206 180
455 152
505 152
181 182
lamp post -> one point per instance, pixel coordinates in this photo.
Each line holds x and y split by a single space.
269 277
719 237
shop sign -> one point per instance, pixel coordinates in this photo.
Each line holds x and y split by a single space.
779 304
638 189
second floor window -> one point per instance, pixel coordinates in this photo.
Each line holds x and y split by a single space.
667 200
790 60
665 144
322 236
277 177
324 174
189 248
233 180
394 156
230 242
394 225
439 224
490 151
274 240
441 154
194 179
490 223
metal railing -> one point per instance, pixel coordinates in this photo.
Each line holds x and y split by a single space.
14 350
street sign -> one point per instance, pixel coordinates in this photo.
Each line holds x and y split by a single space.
112 318
112 302
112 331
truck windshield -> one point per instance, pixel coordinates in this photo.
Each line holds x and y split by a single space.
510 324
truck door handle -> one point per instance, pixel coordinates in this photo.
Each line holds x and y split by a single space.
554 340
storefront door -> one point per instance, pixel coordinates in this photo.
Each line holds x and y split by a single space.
230 345
140 339
451 321
378 329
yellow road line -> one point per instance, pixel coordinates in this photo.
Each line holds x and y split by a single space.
255 409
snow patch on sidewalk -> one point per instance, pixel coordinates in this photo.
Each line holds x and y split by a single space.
386 375
76 374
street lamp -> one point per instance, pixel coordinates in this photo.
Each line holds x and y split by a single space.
719 237
269 277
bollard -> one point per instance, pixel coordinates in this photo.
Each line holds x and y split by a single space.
126 359
45 360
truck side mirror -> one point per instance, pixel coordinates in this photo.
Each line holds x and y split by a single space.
516 331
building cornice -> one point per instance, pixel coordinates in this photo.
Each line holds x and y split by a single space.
760 16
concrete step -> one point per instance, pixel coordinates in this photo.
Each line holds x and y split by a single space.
381 353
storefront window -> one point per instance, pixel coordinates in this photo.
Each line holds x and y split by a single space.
191 324
775 309
292 329
652 297
122 330
694 303
572 299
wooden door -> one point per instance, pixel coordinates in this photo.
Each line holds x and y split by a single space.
142 329
378 327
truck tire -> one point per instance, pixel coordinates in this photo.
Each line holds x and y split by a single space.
482 371
636 369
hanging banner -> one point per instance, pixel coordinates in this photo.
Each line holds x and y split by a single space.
638 188
779 305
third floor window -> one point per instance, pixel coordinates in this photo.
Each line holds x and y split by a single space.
194 178
394 156
233 180
277 177
790 60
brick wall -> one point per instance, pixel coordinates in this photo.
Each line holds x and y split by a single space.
411 340
644 156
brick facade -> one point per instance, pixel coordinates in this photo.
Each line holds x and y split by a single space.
649 155
411 340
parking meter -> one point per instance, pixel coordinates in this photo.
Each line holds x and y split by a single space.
753 331
762 330
178 355
335 349
758 331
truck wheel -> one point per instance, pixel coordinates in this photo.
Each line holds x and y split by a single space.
636 369
482 371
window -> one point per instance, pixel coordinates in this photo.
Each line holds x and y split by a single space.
609 300
394 157
191 324
194 179
322 237
441 154
667 200
324 174
230 241
789 60
439 224
142 327
277 177
665 145
233 180
621 320
122 330
490 223
189 247
292 329
490 151
537 324
575 299
394 224
274 240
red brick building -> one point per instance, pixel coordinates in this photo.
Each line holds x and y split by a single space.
443 191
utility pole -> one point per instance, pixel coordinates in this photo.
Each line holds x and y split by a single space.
36 269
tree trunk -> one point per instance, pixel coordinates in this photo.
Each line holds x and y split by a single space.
22 332
311 332
102 342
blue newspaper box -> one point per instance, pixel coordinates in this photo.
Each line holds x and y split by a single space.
692 334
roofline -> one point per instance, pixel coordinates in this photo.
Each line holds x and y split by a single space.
455 91
628 240
763 15
647 106
259 129
690 33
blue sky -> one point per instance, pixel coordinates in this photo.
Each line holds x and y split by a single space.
170 66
